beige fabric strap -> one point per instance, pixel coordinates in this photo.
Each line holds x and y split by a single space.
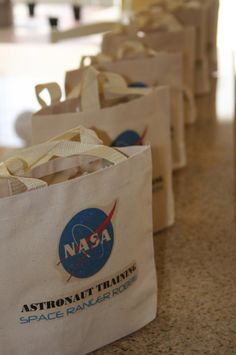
95 59
134 47
91 85
65 149
54 91
34 155
27 159
94 82
156 18
126 48
83 135
19 184
89 94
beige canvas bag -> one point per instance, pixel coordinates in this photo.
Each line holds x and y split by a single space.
181 41
80 271
193 13
165 72
163 69
171 16
185 13
143 120
189 13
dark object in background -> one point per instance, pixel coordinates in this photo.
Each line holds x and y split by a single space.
31 8
53 21
77 12
5 13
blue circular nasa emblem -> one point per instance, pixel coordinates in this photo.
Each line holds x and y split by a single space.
137 84
86 242
129 138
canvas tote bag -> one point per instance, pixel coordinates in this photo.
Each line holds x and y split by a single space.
188 13
77 259
185 13
181 41
144 120
163 69
193 13
199 66
136 50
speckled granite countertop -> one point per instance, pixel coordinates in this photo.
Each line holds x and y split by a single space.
196 259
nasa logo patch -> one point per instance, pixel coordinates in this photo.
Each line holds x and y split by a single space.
129 138
86 242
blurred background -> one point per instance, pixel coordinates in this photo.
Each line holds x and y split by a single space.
27 57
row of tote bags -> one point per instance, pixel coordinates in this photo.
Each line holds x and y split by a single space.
79 202
144 119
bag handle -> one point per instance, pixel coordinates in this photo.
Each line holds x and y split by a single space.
14 168
54 91
94 82
100 58
64 149
133 47
26 158
158 18
29 157
18 184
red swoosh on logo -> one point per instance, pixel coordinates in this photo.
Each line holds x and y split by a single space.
140 140
103 225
